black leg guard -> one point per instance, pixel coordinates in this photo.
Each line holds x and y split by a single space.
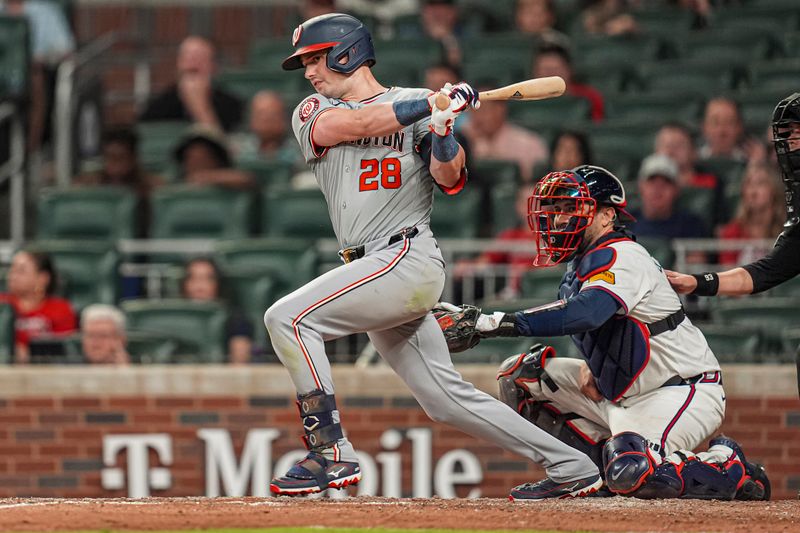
517 370
316 412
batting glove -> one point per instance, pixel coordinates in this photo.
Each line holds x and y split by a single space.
462 96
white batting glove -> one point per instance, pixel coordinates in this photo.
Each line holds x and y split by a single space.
462 96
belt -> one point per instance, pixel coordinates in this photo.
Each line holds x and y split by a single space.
349 255
706 377
667 324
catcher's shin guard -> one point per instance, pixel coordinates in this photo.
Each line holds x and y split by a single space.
517 370
629 463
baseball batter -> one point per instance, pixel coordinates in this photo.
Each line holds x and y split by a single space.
377 154
648 389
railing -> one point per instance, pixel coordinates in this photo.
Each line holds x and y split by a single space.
14 170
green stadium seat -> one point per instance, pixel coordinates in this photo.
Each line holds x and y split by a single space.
608 79
652 108
542 282
151 348
268 173
791 344
6 333
197 327
770 315
407 53
504 214
299 214
253 292
616 50
185 212
555 113
246 83
749 43
781 74
494 172
620 142
700 201
669 22
15 57
87 271
733 344
773 18
292 262
268 54
104 212
681 78
457 216
157 141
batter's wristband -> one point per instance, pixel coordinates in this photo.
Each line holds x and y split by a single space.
445 148
707 284
410 111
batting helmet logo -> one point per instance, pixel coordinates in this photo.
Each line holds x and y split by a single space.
296 34
308 108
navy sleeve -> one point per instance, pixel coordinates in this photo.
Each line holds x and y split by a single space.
588 310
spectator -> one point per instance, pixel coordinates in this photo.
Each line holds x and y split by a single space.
193 97
440 22
760 214
202 282
723 130
438 74
269 138
491 136
120 164
554 60
203 158
676 141
569 150
103 335
659 215
538 18
51 41
608 17
316 8
518 262
31 286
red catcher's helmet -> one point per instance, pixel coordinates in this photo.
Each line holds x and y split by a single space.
563 205
349 41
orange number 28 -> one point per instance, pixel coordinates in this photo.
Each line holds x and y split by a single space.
389 170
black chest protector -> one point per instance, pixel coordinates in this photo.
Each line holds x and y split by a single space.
617 351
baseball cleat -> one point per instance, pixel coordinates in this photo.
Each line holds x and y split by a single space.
549 489
315 473
757 485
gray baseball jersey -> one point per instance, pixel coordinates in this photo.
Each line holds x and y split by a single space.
374 186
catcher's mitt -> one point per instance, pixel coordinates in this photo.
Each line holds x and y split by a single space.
458 325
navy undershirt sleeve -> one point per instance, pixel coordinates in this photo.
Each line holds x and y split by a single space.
586 311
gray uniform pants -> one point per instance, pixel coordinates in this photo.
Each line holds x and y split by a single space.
388 294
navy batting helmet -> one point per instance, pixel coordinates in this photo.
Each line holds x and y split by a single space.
573 195
347 38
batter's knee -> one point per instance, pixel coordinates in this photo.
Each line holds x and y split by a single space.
276 318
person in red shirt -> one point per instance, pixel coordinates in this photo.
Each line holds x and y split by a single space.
31 283
554 60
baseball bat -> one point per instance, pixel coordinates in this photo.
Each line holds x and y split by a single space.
535 89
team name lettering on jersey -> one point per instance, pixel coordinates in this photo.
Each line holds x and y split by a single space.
394 141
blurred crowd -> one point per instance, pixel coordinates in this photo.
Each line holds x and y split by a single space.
225 133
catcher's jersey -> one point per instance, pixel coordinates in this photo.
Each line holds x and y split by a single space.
375 186
637 281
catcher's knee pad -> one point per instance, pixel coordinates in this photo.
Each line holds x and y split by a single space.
628 462
512 376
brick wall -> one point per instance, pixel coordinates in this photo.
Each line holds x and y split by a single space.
52 445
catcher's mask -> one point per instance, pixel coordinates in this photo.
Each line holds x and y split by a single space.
564 204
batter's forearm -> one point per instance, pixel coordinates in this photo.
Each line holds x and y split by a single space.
375 120
447 173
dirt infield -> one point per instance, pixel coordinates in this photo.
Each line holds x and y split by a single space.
596 514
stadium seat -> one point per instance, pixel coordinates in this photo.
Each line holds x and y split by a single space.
15 58
791 343
669 22
733 344
268 54
770 315
6 333
651 108
617 50
157 141
184 212
542 282
150 348
555 113
246 83
682 78
299 214
775 17
87 271
253 291
105 212
268 173
700 201
780 74
659 248
458 216
504 214
747 43
622 141
292 262
494 172
197 327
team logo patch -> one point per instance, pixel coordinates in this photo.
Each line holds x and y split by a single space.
308 108
606 276
296 34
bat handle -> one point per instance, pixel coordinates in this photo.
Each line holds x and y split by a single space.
442 101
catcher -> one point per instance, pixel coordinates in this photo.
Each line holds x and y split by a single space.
648 388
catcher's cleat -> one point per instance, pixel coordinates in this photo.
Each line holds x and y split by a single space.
547 489
315 473
756 486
